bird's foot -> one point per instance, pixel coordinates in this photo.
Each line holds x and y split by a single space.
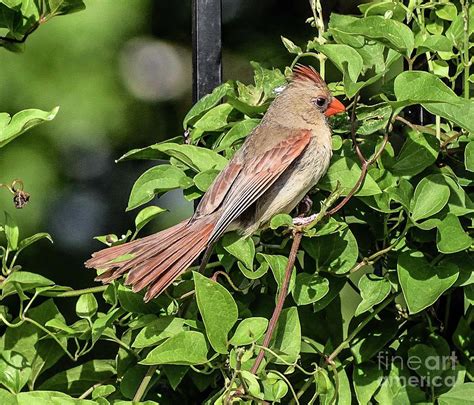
305 205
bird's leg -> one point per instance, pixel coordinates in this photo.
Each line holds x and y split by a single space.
305 205
304 208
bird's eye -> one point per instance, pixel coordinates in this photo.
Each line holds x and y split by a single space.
321 101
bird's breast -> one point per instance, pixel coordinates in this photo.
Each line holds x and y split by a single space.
290 188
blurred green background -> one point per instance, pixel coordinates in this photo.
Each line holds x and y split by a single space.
121 73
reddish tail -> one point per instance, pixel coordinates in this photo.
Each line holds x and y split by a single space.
156 260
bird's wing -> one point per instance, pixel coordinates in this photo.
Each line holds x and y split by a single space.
214 196
242 183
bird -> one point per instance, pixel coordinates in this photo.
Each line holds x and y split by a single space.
278 163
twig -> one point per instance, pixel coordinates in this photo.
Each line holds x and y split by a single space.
144 384
86 393
280 301
74 293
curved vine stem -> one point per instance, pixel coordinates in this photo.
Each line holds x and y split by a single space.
144 384
280 300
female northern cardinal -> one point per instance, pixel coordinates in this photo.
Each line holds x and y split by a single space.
280 161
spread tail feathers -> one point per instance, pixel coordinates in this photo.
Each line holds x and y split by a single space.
156 260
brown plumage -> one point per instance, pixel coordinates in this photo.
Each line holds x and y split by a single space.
280 161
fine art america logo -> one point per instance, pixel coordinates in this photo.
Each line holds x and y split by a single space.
429 371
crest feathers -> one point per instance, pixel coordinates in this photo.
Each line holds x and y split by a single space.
301 72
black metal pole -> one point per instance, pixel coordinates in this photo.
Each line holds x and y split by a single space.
207 46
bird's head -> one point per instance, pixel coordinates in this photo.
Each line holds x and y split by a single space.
311 93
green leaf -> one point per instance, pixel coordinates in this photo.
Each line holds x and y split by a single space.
196 158
12 127
469 156
133 302
78 379
460 394
427 355
383 8
215 119
392 33
309 288
456 30
267 80
33 239
86 306
204 179
175 374
324 387
418 152
451 237
372 118
336 284
286 341
290 46
411 86
274 388
50 397
25 280
341 55
146 215
345 171
218 310
238 131
14 370
185 348
206 103
104 321
375 336
253 275
401 193
154 181
278 265
103 391
132 379
251 382
336 253
367 378
447 11
430 197
12 232
279 220
249 331
422 284
25 339
157 330
373 290
436 43
242 248
60 325
59 7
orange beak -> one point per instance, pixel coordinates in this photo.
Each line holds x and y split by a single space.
335 107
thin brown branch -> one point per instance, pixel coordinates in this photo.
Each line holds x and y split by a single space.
280 301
